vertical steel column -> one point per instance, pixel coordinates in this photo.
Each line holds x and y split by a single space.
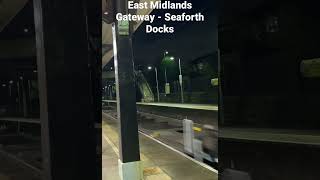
67 123
220 90
24 97
12 98
126 98
158 94
181 82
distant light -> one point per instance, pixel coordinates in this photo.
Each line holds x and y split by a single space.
171 58
111 68
166 52
106 13
4 85
26 30
35 71
21 77
149 67
11 82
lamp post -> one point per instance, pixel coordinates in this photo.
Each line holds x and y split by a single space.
156 71
165 68
167 85
180 82
157 82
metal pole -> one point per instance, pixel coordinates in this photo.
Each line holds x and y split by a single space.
18 130
18 92
110 92
68 132
180 81
165 75
129 151
10 90
29 96
24 98
180 67
220 93
156 70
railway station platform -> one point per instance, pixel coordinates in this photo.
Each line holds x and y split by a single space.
10 165
284 136
158 161
207 107
198 113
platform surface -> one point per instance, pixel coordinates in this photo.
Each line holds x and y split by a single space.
207 107
11 170
21 119
158 161
271 135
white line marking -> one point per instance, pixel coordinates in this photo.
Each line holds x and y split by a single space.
176 105
182 154
21 161
114 148
171 148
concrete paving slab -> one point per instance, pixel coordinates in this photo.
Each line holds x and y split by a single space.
158 161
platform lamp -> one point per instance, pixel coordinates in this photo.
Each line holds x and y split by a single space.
157 82
166 58
181 82
170 59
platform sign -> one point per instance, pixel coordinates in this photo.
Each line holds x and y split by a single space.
215 82
123 28
310 68
167 88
